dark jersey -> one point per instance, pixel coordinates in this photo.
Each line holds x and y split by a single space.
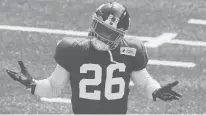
100 86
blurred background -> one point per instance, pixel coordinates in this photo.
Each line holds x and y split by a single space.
30 29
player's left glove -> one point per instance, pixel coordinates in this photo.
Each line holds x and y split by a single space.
166 93
23 77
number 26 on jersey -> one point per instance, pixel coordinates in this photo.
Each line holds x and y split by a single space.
110 81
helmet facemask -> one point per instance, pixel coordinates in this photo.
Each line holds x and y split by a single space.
104 32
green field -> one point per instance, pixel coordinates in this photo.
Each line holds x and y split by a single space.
148 18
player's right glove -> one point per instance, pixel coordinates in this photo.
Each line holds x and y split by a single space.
166 93
23 77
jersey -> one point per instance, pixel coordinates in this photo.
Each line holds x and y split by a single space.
100 86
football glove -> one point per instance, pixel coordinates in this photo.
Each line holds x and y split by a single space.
23 77
166 93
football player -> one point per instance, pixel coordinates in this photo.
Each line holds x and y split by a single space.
99 69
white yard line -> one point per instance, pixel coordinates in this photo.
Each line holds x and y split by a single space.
172 63
189 43
158 41
84 34
197 21
56 100
43 30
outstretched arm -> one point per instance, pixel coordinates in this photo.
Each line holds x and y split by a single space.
143 79
52 86
152 88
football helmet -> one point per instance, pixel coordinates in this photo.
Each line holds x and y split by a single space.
109 24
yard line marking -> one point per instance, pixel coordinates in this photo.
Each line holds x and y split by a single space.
43 30
197 21
84 34
58 31
166 37
189 43
57 100
172 63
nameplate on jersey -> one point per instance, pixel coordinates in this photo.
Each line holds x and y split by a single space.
128 51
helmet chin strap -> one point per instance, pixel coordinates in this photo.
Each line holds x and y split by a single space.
102 47
111 57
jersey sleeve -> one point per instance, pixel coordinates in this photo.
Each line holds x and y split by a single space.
141 57
64 54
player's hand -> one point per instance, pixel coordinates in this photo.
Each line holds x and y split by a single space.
22 77
166 93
